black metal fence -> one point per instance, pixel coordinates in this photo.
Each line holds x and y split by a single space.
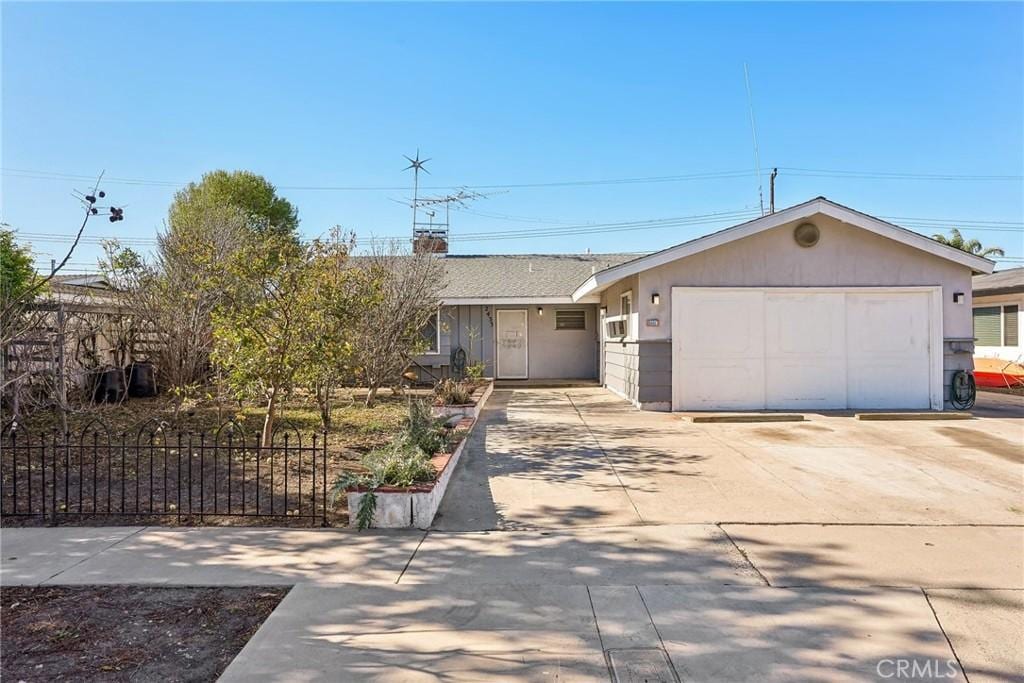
180 477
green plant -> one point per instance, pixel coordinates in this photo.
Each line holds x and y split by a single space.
404 461
425 430
452 393
476 371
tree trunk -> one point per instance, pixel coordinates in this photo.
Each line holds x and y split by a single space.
323 399
268 422
371 395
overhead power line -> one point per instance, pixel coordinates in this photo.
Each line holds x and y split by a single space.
710 175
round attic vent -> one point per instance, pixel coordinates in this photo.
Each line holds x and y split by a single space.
806 234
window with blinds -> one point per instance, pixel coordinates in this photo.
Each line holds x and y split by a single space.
987 326
571 320
1010 335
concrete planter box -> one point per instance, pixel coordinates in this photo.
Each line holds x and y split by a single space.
414 507
480 396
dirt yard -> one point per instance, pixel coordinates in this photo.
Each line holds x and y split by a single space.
121 633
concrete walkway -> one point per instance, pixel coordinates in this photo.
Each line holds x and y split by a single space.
697 602
556 558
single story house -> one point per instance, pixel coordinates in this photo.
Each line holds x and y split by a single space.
998 298
816 306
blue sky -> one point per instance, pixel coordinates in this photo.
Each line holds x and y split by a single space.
334 94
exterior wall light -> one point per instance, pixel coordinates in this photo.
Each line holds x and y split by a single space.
958 297
603 310
655 298
540 310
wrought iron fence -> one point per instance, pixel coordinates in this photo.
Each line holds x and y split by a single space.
188 477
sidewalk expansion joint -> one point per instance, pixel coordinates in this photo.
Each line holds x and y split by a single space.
746 557
98 552
409 561
944 634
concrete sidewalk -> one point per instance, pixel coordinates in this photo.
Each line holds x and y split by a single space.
696 601
576 633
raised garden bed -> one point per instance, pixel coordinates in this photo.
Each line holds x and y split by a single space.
472 409
415 506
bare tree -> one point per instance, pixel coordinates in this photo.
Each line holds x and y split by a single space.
402 292
175 296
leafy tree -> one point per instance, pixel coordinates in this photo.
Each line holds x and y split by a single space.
252 195
956 240
335 294
17 273
265 329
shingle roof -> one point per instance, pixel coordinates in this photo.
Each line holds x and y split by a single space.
1001 282
522 275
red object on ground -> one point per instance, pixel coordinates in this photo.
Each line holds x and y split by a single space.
995 372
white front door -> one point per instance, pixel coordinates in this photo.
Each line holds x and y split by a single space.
806 348
512 352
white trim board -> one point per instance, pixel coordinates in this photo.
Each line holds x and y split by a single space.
820 205
517 301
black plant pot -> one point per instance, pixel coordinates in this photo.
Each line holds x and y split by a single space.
107 386
141 379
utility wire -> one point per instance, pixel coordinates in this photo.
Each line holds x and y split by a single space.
790 170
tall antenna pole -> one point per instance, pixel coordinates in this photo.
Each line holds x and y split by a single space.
753 131
416 165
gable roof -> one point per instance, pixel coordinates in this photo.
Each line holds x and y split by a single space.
818 205
520 278
1010 281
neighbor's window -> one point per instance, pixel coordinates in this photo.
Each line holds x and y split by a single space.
626 310
571 320
996 326
431 333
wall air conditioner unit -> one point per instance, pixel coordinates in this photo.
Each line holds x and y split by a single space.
615 329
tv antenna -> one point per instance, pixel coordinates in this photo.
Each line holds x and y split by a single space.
430 235
753 132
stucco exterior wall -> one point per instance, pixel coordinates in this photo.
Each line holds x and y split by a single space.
553 354
844 256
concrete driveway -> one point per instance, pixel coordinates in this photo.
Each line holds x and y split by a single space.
583 457
919 519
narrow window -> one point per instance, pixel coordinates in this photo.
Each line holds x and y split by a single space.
626 310
987 326
571 320
1010 334
431 333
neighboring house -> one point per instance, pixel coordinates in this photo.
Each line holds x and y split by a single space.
998 298
77 320
813 307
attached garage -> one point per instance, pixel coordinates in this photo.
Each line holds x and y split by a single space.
815 307
806 348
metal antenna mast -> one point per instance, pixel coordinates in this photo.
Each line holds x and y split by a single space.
432 236
753 131
416 165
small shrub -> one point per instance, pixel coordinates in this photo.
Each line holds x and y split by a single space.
425 430
475 372
452 393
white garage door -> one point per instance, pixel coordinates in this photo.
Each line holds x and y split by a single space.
805 349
